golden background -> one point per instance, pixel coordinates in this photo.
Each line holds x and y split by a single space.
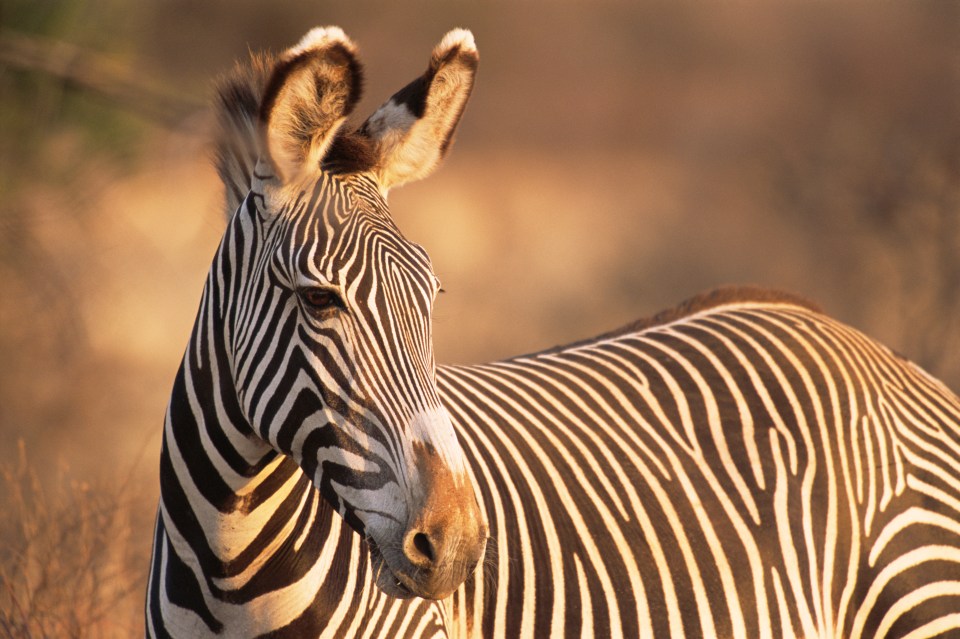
615 159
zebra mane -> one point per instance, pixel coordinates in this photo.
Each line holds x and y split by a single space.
237 104
239 95
723 296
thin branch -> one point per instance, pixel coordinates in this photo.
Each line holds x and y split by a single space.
88 71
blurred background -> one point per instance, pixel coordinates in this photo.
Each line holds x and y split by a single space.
617 157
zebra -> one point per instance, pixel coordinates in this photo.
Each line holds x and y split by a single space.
741 465
307 387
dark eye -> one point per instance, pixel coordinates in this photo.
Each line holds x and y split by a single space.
320 299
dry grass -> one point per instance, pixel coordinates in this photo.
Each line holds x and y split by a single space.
73 558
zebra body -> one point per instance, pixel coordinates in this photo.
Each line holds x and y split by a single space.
742 466
749 469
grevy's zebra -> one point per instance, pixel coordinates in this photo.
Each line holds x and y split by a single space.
311 367
740 466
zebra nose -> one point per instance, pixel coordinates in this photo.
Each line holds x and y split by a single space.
441 547
420 549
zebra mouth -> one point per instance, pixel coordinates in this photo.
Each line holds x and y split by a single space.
383 575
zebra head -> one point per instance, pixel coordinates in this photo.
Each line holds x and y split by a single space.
331 329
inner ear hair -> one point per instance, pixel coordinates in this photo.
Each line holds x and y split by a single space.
413 130
311 91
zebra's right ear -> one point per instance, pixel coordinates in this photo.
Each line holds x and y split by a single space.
313 88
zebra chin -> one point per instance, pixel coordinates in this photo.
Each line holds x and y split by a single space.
386 580
411 581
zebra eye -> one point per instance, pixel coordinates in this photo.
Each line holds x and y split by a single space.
320 299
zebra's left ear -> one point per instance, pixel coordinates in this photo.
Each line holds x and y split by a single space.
413 130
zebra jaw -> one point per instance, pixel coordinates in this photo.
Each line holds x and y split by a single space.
387 581
416 582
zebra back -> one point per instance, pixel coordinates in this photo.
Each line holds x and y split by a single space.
739 466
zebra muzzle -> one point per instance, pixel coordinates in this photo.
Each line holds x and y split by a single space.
443 541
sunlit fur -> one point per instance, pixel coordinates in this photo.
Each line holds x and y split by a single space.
284 414
741 466
749 468
327 392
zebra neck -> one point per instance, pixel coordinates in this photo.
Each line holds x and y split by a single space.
222 485
243 520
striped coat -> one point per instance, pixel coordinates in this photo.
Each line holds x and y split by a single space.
740 466
746 468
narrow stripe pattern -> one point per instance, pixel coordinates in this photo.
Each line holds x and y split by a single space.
751 470
251 537
742 466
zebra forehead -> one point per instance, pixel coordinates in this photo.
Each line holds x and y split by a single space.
347 219
337 200
385 253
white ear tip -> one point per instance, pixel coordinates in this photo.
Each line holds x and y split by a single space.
458 37
319 37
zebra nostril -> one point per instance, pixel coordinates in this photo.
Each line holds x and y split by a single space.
422 543
420 550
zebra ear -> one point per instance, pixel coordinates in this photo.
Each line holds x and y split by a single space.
313 88
413 130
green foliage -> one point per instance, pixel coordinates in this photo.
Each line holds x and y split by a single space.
39 109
